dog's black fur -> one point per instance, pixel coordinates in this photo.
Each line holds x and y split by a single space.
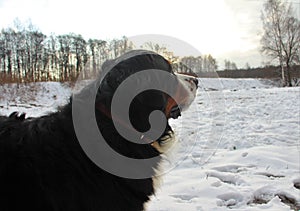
43 167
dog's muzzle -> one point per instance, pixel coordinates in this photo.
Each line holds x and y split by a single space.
185 95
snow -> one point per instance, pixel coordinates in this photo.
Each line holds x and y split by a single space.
34 99
238 144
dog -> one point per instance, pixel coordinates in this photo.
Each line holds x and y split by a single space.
43 166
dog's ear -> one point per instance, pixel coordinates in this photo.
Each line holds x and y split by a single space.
152 98
143 105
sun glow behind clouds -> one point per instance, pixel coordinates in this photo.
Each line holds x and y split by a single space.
210 26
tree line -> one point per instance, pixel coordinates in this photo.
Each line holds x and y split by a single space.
26 54
30 55
186 64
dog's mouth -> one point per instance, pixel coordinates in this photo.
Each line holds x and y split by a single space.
175 112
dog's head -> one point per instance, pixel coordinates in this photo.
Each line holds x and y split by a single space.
179 94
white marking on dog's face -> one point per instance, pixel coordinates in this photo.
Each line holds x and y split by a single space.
190 84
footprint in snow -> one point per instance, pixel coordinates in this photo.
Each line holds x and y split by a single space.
229 199
233 168
228 178
184 197
297 183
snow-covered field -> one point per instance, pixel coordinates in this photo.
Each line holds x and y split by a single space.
238 145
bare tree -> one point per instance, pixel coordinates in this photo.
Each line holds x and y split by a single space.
194 63
65 62
162 50
247 66
8 50
281 38
92 49
230 65
211 64
79 48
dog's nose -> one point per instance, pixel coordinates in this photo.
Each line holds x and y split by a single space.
195 80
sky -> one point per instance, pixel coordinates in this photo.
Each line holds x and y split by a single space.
227 29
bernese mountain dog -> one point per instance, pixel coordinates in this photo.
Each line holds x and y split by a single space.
43 166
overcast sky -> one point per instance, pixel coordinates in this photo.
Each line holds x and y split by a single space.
228 29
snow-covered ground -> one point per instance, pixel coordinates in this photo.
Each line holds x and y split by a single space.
34 99
238 144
